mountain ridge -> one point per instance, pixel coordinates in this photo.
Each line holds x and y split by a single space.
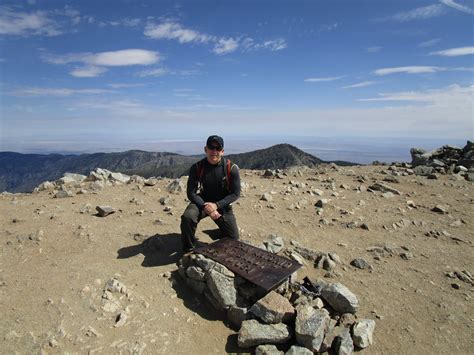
22 172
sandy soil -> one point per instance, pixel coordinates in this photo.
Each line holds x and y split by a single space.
55 262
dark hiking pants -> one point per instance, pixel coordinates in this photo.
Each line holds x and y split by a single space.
189 220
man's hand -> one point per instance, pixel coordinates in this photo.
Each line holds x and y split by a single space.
215 215
210 207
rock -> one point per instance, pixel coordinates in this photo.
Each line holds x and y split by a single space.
322 203
384 188
104 211
165 200
63 193
45 186
222 288
275 244
269 173
254 333
151 182
362 333
237 315
176 187
298 350
195 273
388 195
310 326
266 197
440 209
114 285
344 344
273 308
78 178
267 350
340 298
121 318
361 264
347 320
423 170
119 177
197 286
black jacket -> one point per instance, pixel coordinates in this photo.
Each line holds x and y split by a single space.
214 185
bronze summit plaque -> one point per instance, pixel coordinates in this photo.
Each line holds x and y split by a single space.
253 264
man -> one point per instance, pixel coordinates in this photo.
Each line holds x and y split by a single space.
213 184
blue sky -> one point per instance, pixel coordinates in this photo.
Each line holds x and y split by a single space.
115 75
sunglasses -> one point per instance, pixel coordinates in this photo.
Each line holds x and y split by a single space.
214 147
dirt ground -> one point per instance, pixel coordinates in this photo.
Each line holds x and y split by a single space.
56 256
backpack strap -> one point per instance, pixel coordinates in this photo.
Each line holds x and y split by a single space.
227 166
200 172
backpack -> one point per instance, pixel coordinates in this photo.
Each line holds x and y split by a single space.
227 166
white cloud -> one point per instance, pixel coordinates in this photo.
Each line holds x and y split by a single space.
275 45
27 24
94 63
40 91
88 72
359 85
153 72
318 80
408 70
174 30
429 43
123 85
419 13
224 46
451 96
457 6
455 52
374 49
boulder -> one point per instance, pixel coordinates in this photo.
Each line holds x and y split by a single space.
176 186
119 177
273 308
310 326
254 333
340 298
344 344
104 211
267 350
222 288
298 350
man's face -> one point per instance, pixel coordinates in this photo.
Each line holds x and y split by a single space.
214 153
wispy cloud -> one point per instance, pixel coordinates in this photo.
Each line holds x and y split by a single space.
420 13
94 63
455 52
452 95
318 80
126 22
408 70
359 85
224 46
173 30
374 49
153 72
124 85
457 6
27 23
41 91
429 43
88 72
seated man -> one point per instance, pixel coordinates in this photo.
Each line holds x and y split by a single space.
213 184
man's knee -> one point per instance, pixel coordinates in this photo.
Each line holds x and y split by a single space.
190 214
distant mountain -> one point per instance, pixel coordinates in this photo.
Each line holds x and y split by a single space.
23 172
279 156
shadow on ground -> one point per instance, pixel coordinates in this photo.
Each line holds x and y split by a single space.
159 249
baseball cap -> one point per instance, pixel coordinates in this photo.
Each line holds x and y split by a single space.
215 139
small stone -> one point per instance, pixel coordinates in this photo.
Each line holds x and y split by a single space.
321 203
347 320
361 264
440 209
266 197
237 315
104 211
63 193
455 286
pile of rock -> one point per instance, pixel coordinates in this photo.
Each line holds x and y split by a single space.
301 317
446 159
97 179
